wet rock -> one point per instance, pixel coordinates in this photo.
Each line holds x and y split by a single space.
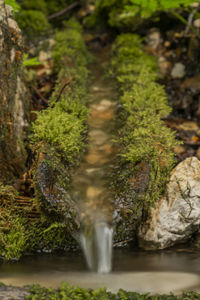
164 65
178 71
188 126
179 149
198 153
177 215
154 40
93 192
96 157
97 137
192 83
52 185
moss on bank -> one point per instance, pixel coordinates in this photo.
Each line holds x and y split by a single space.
58 141
146 143
72 292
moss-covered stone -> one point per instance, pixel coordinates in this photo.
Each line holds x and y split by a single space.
59 134
146 143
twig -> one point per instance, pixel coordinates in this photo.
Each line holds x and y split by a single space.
62 89
63 11
122 243
40 95
190 19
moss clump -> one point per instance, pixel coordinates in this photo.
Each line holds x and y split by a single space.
63 124
72 292
59 134
146 143
33 22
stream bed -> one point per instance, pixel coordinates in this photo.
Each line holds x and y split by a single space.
133 270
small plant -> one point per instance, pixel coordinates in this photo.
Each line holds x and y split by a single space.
146 8
29 62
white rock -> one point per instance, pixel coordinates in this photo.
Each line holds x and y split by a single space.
43 55
178 71
13 24
177 215
9 11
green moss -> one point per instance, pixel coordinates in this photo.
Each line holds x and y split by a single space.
33 22
73 292
146 143
62 125
40 5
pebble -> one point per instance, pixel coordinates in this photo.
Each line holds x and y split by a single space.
178 71
196 23
188 126
198 153
97 137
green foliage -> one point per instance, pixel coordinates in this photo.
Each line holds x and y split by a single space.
33 22
13 4
62 127
29 62
40 5
131 13
144 137
67 292
13 239
147 8
70 46
46 6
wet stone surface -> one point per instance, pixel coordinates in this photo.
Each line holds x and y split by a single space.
90 182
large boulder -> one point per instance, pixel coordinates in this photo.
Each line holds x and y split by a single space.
177 215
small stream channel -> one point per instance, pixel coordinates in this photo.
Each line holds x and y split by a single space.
165 271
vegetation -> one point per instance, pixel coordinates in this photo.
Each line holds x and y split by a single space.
72 292
33 23
62 124
146 143
58 133
132 13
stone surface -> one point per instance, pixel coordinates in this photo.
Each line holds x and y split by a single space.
14 106
178 71
177 215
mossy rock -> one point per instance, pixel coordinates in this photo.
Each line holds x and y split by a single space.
146 143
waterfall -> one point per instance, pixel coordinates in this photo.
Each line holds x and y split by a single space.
97 248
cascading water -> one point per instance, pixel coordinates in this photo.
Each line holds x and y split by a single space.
97 248
90 182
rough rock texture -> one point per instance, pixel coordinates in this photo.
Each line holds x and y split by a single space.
177 215
13 293
13 97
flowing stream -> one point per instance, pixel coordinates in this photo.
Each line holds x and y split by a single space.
91 184
165 271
